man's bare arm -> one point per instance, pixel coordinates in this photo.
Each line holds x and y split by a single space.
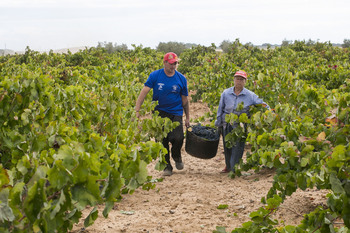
140 99
186 107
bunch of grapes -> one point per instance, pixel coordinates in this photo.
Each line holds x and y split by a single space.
205 132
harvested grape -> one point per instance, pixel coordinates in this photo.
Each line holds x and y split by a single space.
205 132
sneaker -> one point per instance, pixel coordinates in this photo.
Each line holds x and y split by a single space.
179 165
167 172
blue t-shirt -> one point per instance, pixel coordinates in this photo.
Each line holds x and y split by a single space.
168 91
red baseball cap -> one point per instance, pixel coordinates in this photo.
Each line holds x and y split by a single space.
241 73
171 57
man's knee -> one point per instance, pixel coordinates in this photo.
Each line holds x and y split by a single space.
177 138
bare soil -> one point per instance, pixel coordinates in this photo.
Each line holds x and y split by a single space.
187 201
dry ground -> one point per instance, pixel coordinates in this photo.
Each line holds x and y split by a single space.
187 201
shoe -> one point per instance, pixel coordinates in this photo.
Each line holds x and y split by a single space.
167 172
225 170
179 165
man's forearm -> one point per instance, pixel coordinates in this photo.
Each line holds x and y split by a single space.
186 108
141 98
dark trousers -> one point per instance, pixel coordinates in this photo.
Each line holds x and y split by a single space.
234 154
175 137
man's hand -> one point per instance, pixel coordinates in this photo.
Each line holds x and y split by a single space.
220 129
187 123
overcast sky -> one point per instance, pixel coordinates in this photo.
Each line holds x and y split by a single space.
55 24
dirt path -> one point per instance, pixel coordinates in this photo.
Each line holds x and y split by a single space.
187 201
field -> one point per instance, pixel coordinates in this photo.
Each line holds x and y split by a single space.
75 158
188 201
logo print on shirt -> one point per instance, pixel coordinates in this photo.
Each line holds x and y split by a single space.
174 88
160 86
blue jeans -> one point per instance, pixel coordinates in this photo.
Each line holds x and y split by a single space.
234 154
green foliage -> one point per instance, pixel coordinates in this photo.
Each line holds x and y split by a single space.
239 132
222 207
69 138
225 45
346 43
305 138
175 47
285 43
112 48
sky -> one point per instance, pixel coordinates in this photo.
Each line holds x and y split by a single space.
56 24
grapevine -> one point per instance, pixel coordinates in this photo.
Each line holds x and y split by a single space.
304 138
69 138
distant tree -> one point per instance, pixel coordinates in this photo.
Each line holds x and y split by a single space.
232 47
249 45
310 42
285 43
176 47
112 48
300 45
346 43
225 45
122 47
190 45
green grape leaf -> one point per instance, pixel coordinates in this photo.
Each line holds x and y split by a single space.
39 142
243 118
58 175
4 177
85 194
61 201
90 219
6 213
304 162
108 207
222 206
114 183
34 200
65 154
141 176
336 184
16 194
39 174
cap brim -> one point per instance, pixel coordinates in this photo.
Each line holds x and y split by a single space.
171 61
240 76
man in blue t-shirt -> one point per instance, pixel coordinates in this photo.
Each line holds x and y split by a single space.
170 90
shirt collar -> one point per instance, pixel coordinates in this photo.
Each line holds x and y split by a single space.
243 92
